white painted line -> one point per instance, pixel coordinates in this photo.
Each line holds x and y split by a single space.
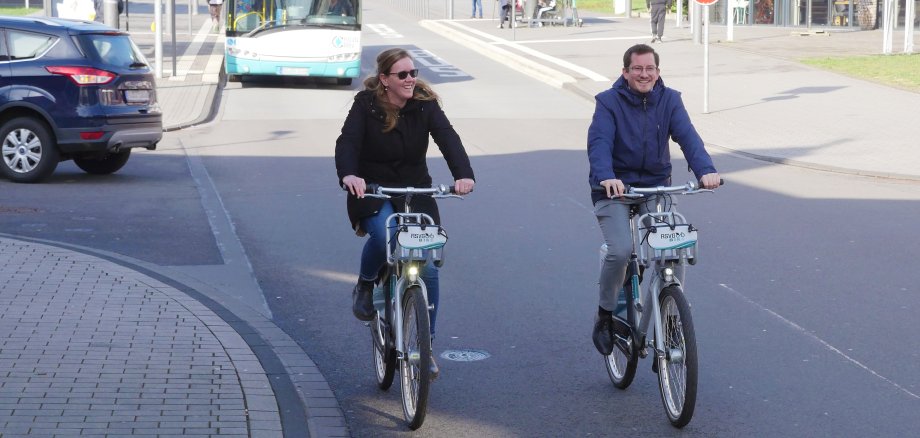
590 74
584 40
215 63
830 347
184 63
531 68
384 31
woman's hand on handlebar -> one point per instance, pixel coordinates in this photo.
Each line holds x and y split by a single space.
463 186
355 185
615 187
710 181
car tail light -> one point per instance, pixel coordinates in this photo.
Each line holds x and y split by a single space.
83 75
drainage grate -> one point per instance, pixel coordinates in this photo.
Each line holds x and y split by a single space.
18 210
465 355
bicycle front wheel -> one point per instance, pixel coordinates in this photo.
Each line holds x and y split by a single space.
677 370
415 367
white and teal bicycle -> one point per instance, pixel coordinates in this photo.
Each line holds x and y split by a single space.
401 329
664 242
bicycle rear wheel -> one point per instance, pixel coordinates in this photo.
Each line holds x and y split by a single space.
621 363
384 353
415 368
677 370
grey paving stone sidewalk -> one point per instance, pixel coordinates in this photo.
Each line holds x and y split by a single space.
92 348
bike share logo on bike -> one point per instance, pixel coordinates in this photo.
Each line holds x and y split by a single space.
672 237
422 237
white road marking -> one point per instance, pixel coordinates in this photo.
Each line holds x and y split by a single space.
830 347
590 74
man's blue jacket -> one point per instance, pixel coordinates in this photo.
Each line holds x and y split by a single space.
629 133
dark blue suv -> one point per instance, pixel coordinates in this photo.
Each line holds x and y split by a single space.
72 90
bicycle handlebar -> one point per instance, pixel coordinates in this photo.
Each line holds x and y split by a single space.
691 187
439 191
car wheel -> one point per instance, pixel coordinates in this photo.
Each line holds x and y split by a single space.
29 153
102 164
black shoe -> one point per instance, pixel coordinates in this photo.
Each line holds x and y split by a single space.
433 369
363 296
603 335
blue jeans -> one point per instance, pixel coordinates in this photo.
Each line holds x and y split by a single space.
475 3
374 256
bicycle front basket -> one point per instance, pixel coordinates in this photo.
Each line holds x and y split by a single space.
664 237
421 236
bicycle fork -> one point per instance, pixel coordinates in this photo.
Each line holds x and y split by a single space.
664 277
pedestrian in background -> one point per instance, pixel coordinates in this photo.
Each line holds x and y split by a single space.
505 14
657 10
475 3
214 7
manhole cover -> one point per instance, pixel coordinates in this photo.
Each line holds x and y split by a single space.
465 355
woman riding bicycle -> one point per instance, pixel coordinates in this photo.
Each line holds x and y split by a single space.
384 141
628 145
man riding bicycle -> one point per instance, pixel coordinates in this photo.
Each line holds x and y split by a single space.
628 146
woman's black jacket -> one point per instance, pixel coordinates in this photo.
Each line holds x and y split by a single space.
395 158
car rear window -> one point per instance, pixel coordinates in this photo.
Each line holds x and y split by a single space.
117 50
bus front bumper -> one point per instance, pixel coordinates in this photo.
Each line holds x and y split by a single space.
241 66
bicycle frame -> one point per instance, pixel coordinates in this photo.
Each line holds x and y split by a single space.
405 264
665 274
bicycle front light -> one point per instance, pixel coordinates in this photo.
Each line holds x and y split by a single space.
413 273
668 274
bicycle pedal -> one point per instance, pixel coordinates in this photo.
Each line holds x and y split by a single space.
643 353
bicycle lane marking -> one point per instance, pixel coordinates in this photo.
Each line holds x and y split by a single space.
590 74
431 62
830 347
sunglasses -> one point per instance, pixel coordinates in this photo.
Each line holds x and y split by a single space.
402 75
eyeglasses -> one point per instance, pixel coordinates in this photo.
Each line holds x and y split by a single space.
402 75
638 69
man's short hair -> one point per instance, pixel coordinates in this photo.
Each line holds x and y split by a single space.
638 49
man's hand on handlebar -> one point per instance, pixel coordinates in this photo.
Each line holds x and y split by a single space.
463 186
615 187
710 181
355 185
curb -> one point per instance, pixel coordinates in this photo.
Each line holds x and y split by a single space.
215 92
294 378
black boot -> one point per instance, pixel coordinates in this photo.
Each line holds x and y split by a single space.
363 296
603 334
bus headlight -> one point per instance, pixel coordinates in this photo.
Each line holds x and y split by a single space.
345 57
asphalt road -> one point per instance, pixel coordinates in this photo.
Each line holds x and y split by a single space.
802 298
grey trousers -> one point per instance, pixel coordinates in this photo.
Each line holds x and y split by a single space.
658 12
613 219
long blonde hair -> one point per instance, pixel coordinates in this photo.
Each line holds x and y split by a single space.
385 61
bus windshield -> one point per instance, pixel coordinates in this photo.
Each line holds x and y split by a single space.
255 16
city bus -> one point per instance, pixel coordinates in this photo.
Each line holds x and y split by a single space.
316 38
